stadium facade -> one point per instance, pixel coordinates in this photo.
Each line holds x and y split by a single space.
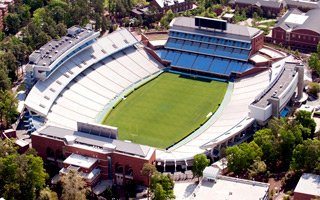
83 81
195 48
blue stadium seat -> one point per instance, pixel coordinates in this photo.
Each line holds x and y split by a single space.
186 60
246 67
234 66
173 56
191 46
174 43
202 63
219 66
206 48
162 53
205 39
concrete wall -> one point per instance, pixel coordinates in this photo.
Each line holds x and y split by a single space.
260 114
285 96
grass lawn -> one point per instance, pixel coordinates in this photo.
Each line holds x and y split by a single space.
166 109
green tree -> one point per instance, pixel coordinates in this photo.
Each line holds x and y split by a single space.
148 170
305 119
306 156
7 147
200 162
159 193
257 168
240 157
12 22
47 194
21 176
61 29
166 183
5 82
105 24
167 18
314 63
58 14
265 139
39 16
34 4
73 186
314 88
9 60
23 12
8 108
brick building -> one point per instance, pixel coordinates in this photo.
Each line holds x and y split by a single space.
94 152
303 5
307 187
298 30
263 7
174 5
4 8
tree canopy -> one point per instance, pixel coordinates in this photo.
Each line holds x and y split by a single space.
200 162
73 186
8 108
240 157
21 176
306 156
162 186
284 143
314 61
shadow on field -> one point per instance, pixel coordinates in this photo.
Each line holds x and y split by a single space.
195 78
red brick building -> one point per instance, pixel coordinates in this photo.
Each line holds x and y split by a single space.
307 187
94 153
304 5
4 8
298 30
262 7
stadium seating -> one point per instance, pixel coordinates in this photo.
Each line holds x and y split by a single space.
202 63
205 63
207 53
210 39
44 93
186 60
217 49
95 87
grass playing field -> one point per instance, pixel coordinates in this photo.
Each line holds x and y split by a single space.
166 109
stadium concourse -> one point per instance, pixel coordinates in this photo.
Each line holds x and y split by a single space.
81 77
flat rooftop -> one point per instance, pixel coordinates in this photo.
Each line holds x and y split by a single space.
283 81
258 58
49 52
95 141
80 161
233 31
309 184
223 188
296 19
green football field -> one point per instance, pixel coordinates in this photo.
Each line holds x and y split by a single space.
166 109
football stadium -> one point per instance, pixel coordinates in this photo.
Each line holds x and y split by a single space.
169 107
209 86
